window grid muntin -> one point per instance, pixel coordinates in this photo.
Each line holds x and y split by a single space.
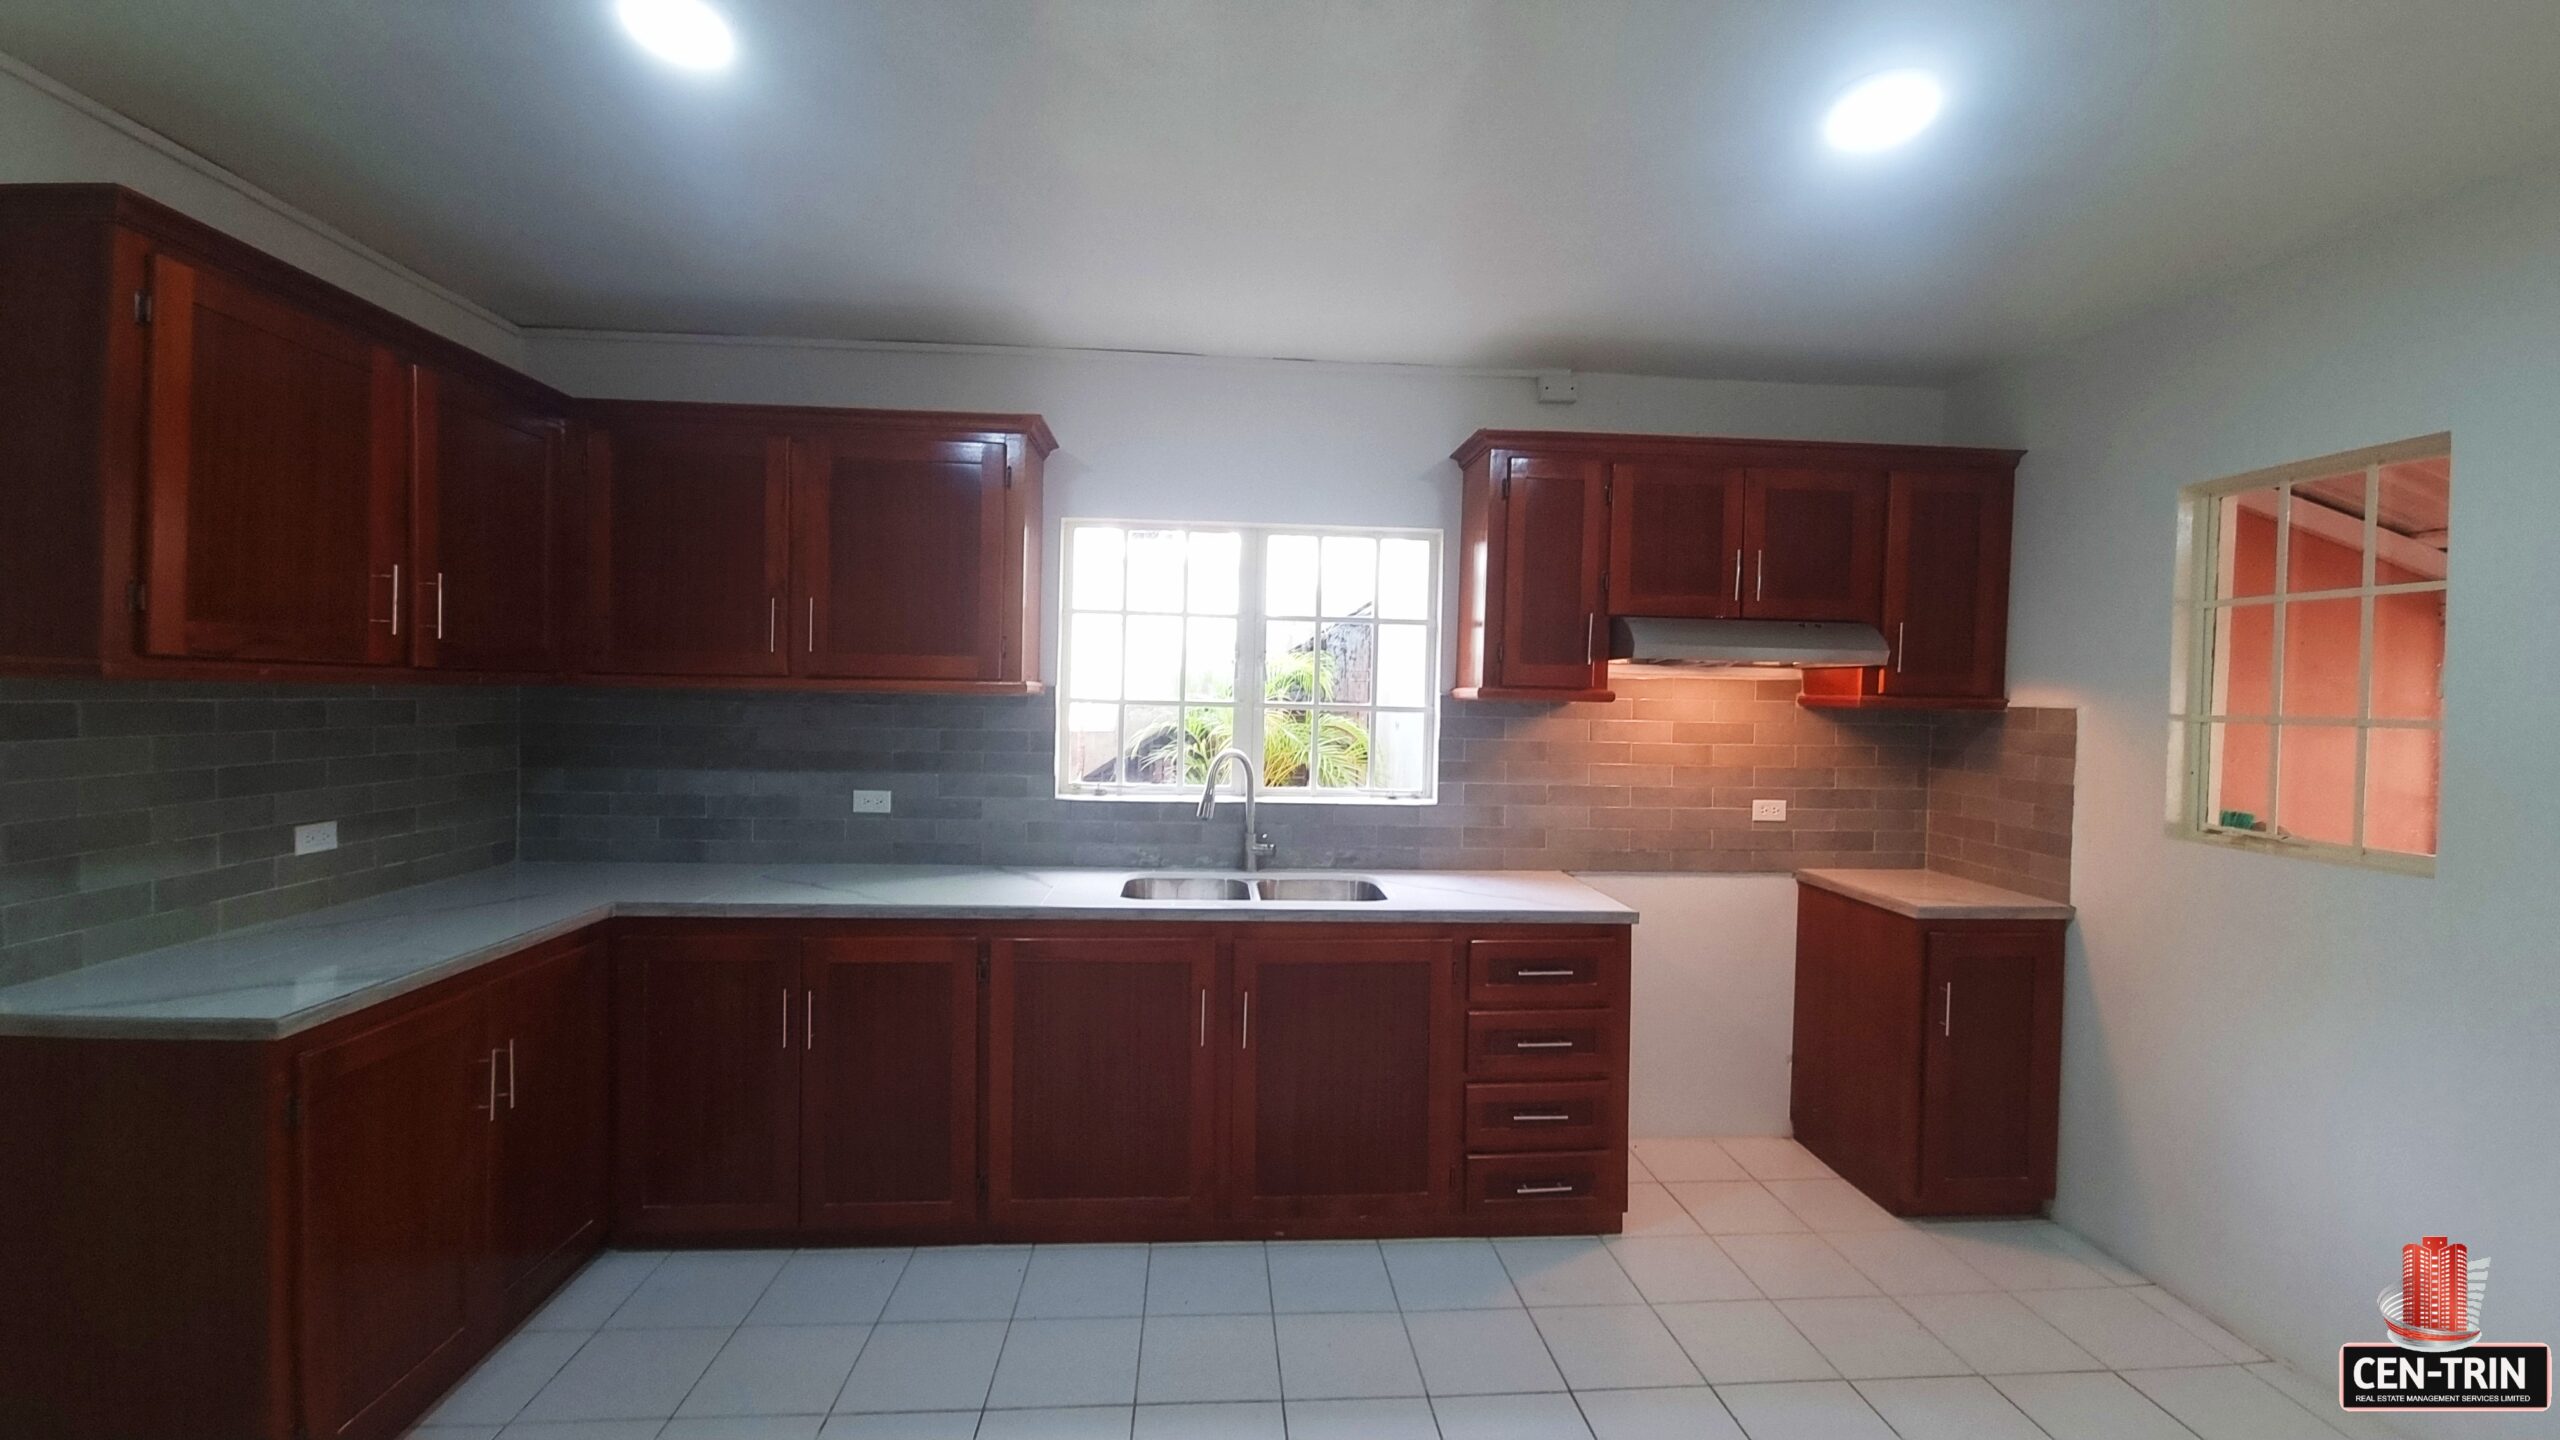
1252 628
2205 599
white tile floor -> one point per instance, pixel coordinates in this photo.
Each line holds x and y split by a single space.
1754 1297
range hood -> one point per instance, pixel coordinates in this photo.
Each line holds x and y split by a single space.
1705 644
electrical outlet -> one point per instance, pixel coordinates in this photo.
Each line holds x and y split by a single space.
870 802
1768 810
314 838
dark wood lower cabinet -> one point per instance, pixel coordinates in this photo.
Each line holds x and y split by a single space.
1101 1082
889 1085
548 1033
709 1033
1928 1055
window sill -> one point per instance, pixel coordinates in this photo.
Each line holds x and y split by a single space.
2389 861
1267 797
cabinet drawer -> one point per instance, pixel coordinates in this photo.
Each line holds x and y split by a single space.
1524 1183
1538 972
1538 1044
1539 1115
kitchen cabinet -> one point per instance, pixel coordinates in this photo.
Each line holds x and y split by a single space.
1546 1079
709 1030
1536 534
1102 1082
688 528
546 1030
277 460
908 564
1928 1055
889 1084
1563 530
485 528
389 1146
1343 1101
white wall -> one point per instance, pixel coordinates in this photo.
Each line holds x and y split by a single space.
2278 1071
51 135
1714 1001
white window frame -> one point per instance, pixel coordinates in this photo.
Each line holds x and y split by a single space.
1252 619
2194 760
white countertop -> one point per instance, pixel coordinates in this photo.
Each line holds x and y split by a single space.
273 980
1931 895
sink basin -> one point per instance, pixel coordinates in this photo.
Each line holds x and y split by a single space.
1324 887
1184 887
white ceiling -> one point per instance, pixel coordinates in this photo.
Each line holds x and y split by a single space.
1604 184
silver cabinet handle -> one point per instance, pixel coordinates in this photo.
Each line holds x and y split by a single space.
1246 1043
394 578
811 629
1534 1118
1542 974
772 618
1541 1044
489 1106
1760 576
439 604
786 1019
1591 639
1737 576
1204 1016
1947 1016
809 1022
511 1074
1899 627
1565 1189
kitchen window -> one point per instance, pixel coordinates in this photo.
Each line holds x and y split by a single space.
2307 702
1313 648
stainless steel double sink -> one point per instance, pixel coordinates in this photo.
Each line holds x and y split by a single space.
1238 890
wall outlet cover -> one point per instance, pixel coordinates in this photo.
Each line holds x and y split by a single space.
313 838
1768 810
870 802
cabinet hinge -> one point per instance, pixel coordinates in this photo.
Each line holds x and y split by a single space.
1506 484
1008 474
293 1111
141 307
138 595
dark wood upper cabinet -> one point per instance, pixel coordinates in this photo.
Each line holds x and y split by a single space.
389 1160
1816 538
1675 539
905 567
277 471
1946 584
547 1032
689 523
1101 1081
708 1038
485 528
1535 556
1343 1101
889 1089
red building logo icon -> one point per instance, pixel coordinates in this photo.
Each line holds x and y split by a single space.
2437 1306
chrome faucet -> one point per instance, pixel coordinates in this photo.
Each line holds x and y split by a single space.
1255 847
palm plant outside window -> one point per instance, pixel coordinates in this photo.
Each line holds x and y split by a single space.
1313 648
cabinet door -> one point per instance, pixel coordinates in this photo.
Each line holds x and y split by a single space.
547 1029
1344 1092
707 1046
1100 1081
1992 1059
1817 545
389 1160
901 546
484 520
889 1092
687 545
277 455
1946 584
1675 539
1550 525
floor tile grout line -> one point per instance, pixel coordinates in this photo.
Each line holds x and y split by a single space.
870 1333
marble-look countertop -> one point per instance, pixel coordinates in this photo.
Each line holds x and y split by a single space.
1931 895
274 980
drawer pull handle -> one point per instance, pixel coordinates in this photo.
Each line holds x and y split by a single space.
1564 974
1557 1189
1535 1118
1541 1044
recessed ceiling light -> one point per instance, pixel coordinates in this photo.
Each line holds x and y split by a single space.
1883 111
688 33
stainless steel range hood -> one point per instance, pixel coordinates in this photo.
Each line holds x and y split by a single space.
1708 644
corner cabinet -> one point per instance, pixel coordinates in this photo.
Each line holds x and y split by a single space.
1562 531
1928 1055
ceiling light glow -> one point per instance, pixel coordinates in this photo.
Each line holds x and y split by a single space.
686 33
1883 111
